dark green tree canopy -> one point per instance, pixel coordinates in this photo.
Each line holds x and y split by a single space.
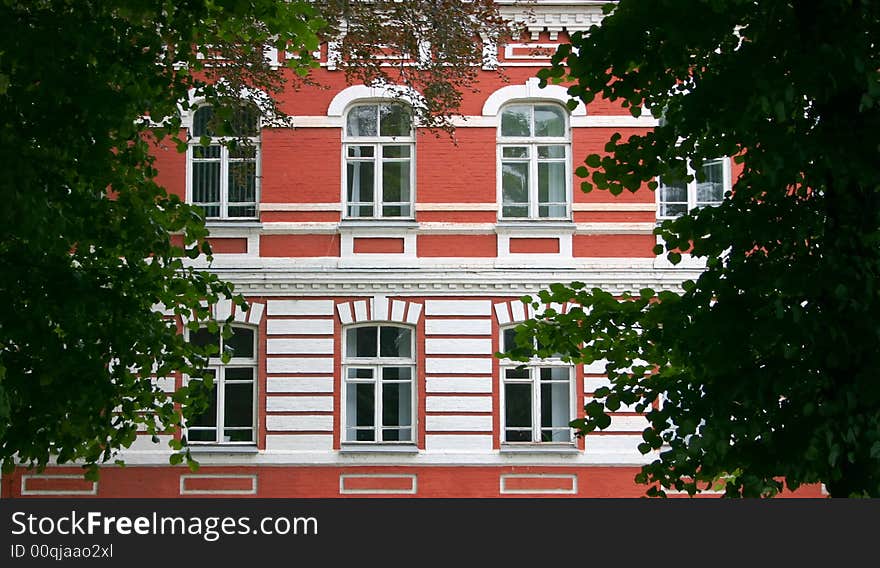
760 372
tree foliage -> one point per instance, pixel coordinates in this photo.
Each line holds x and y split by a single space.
759 373
87 263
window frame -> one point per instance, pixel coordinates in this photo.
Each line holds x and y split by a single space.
532 142
691 189
376 364
378 143
216 365
224 160
534 366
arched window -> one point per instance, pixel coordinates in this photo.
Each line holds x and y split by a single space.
676 197
378 375
537 398
534 153
230 416
379 150
223 180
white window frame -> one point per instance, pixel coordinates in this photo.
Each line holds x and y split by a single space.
378 142
692 202
216 365
534 366
225 160
532 142
376 364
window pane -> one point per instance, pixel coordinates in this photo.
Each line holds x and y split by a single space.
515 152
363 397
360 373
246 121
397 434
509 339
515 184
361 152
211 152
673 196
551 182
202 427
201 118
361 342
396 211
397 374
515 211
239 405
394 120
395 342
360 188
241 343
396 404
206 187
203 337
518 405
362 121
395 182
396 151
517 373
551 152
242 182
549 121
515 121
711 191
554 405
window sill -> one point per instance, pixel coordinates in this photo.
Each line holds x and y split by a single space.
384 222
233 223
569 449
378 449
222 449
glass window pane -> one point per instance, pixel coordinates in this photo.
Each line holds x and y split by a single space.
242 182
211 152
361 181
208 417
672 209
361 151
515 152
549 121
508 339
555 405
397 374
239 405
361 342
241 344
239 374
515 211
551 152
201 118
395 342
514 435
246 121
517 373
362 121
396 434
514 183
516 121
203 337
397 404
396 151
206 185
396 211
551 182
518 405
711 191
360 373
363 410
394 120
395 182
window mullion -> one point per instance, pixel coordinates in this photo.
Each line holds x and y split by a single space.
220 389
536 404
377 406
224 181
533 181
379 189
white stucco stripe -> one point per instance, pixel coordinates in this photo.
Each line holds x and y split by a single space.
299 442
299 346
458 404
299 365
255 314
300 307
481 385
299 327
458 365
451 442
458 327
593 383
458 423
596 367
299 384
466 346
299 404
299 423
458 308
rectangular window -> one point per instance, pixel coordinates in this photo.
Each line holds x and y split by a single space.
677 196
379 172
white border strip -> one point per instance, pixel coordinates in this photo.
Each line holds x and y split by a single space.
25 491
570 476
185 491
411 476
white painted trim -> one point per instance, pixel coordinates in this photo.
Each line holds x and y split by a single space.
614 206
333 207
529 91
456 207
505 491
185 491
349 95
412 491
26 491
